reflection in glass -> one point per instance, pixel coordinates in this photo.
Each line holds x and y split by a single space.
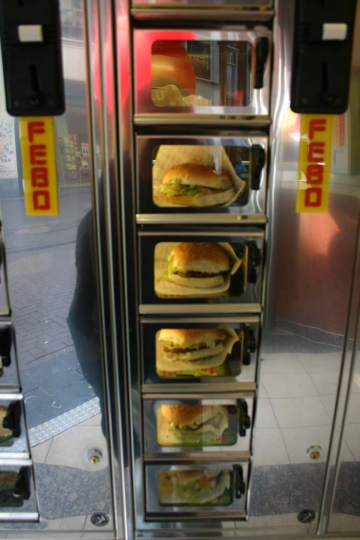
197 425
197 487
205 73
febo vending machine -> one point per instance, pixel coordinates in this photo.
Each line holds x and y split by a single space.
180 235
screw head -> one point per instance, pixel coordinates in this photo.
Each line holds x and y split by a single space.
306 516
314 452
100 519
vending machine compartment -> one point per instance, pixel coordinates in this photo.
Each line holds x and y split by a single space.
191 74
191 353
185 178
12 430
17 499
202 271
196 492
193 426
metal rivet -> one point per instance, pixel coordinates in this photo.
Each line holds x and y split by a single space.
94 456
100 519
306 516
314 452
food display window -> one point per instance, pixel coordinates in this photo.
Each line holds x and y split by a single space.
196 491
188 177
17 502
197 351
12 431
202 72
198 424
213 268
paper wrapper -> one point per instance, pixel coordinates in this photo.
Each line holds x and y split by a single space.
163 365
166 288
212 156
170 96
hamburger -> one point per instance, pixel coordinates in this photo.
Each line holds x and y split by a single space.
198 264
192 424
194 487
192 349
196 185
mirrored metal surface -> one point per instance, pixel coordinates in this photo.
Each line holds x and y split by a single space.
53 280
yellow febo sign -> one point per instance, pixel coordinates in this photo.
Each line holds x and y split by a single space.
39 166
314 163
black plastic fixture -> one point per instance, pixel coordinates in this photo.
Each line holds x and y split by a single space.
323 37
31 53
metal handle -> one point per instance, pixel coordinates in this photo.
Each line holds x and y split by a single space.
239 487
5 345
257 162
261 53
249 344
244 418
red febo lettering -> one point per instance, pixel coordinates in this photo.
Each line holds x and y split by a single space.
41 200
35 128
313 196
37 151
315 168
314 174
317 124
316 151
39 177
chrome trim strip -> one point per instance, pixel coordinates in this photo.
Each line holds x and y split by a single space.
221 386
12 397
178 458
199 309
90 22
20 516
202 395
205 13
229 121
169 219
241 233
250 319
16 462
198 516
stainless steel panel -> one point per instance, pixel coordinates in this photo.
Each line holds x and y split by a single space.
234 508
308 286
245 285
242 361
250 202
144 40
57 292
